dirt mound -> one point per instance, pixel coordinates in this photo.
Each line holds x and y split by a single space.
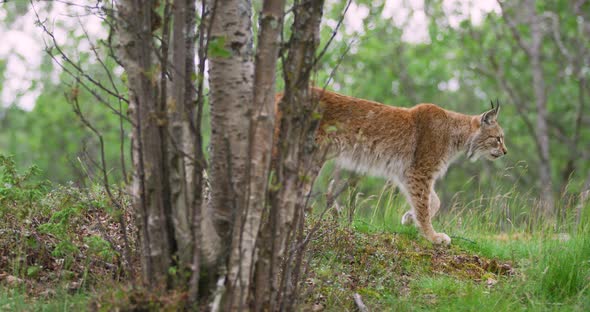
344 262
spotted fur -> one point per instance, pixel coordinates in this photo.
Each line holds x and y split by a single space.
410 146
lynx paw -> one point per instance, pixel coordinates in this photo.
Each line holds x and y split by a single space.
441 239
408 218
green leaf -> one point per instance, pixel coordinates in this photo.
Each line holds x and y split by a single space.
33 271
217 48
331 129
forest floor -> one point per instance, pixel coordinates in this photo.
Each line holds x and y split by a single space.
400 271
396 270
53 258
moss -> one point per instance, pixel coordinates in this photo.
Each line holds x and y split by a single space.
387 269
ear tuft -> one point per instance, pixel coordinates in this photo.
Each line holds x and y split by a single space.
488 117
491 116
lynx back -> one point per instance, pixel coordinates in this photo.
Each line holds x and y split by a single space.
411 146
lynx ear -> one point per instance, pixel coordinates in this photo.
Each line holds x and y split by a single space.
492 115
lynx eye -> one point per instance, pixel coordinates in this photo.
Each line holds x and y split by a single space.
495 141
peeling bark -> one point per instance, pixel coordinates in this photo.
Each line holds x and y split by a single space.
179 106
294 166
261 134
166 185
136 54
260 149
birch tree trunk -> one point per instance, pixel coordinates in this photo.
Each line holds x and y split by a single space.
262 134
300 163
293 166
150 199
260 150
202 226
166 141
180 105
231 71
167 151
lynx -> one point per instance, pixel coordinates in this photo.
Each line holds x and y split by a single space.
413 147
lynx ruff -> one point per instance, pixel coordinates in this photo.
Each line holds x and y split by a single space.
411 146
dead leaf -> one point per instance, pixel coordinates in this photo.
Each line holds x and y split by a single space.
491 282
13 280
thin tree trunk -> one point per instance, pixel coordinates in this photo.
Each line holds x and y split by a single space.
542 132
179 106
584 195
260 149
231 78
150 198
294 165
570 166
533 50
195 170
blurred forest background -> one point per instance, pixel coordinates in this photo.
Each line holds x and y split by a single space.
457 54
71 211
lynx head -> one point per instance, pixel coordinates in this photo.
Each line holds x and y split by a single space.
488 139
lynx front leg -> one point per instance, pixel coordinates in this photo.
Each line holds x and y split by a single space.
419 196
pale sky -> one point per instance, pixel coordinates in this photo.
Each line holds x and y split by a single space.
411 13
22 45
23 48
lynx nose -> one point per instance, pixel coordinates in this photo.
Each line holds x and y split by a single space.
505 150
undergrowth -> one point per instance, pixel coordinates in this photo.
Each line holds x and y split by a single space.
56 240
61 249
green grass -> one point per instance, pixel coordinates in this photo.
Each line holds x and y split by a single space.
548 275
505 254
15 299
394 269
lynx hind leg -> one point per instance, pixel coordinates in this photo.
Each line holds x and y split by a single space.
409 217
419 196
434 203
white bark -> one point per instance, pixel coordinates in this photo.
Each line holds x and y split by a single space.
231 79
136 54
